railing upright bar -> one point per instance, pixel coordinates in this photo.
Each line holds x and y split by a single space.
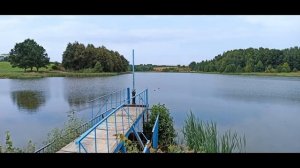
116 126
92 110
123 121
96 140
107 140
128 111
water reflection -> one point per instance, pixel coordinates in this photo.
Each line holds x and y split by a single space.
30 101
78 92
79 101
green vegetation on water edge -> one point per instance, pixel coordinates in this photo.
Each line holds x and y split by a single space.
280 74
6 71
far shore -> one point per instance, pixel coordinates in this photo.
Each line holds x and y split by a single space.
282 74
28 75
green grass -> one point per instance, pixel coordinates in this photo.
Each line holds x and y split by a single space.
6 71
204 137
6 67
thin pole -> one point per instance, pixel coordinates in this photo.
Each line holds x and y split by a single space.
133 68
133 80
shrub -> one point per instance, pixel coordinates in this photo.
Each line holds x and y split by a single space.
166 131
295 70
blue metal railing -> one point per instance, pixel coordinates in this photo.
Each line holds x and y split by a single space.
127 124
102 106
154 137
105 103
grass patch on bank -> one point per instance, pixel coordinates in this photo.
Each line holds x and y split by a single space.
25 75
6 71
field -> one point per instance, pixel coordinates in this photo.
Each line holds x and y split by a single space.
6 71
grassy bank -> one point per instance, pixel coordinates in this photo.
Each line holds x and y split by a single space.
282 74
24 75
6 71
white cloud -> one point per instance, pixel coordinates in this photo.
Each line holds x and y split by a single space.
277 23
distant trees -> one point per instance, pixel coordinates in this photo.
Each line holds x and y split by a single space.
78 57
252 60
28 54
142 67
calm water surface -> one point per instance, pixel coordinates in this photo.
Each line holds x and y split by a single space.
265 109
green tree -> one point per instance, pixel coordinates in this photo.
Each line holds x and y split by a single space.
230 68
269 68
78 57
28 54
249 65
166 131
252 59
239 69
98 67
285 67
192 65
259 67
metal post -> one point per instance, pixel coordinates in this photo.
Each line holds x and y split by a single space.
146 97
123 121
128 95
92 110
133 97
95 141
133 69
107 140
116 128
133 80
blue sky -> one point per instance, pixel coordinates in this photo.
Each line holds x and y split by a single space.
156 39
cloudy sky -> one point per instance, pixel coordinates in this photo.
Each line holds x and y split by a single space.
167 40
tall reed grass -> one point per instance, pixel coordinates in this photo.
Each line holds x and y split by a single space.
204 137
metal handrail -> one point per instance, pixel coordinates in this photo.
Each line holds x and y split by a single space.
94 127
105 95
81 128
154 137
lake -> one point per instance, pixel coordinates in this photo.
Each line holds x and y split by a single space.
265 109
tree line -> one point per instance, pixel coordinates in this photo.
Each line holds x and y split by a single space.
252 60
28 54
142 67
77 56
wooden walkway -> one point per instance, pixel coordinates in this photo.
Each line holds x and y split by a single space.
116 123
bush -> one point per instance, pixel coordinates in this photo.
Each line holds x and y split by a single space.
54 67
166 131
295 70
61 137
10 148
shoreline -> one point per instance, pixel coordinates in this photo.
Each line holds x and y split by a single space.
42 74
283 74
